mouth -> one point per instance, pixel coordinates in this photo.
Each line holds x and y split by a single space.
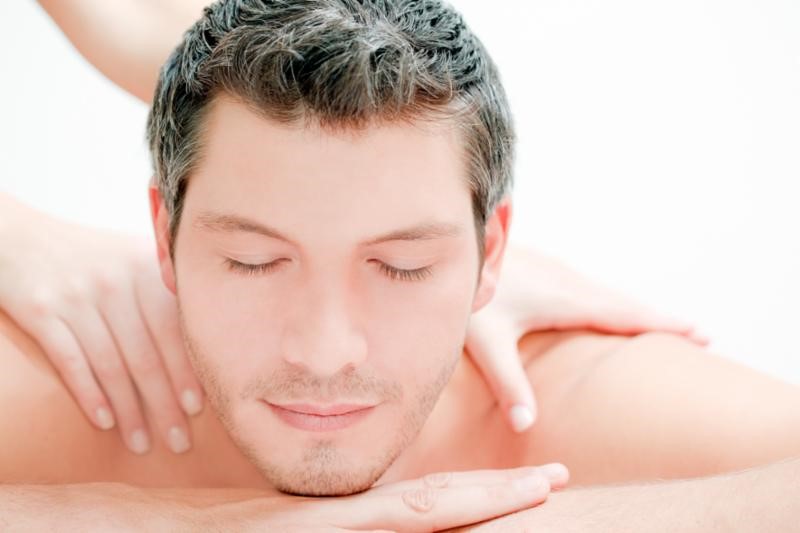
318 418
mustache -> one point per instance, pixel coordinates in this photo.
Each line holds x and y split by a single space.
295 384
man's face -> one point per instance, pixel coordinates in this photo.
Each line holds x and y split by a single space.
320 365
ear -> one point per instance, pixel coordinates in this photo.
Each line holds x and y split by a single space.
160 217
495 239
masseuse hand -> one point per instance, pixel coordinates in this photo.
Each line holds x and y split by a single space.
538 293
434 503
96 304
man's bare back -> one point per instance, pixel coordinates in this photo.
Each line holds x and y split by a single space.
612 409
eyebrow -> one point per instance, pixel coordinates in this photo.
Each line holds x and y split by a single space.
233 223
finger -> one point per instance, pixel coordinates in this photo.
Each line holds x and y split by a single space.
294 527
649 321
628 318
160 312
425 508
556 473
635 319
495 352
109 367
699 338
69 360
145 366
625 323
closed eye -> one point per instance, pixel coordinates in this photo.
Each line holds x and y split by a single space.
395 274
251 270
398 274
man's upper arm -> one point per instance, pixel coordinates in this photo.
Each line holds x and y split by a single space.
658 406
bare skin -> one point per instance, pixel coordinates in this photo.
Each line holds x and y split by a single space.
613 409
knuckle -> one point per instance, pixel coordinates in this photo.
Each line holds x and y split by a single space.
69 362
109 368
146 366
74 290
42 302
437 479
420 500
107 285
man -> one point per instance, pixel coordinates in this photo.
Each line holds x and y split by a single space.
325 280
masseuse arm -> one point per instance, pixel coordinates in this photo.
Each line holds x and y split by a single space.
126 40
764 499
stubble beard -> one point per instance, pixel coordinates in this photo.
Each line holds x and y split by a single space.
323 470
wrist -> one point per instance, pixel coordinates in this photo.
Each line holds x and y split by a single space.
118 506
15 215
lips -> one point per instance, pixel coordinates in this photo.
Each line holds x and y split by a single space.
331 410
309 417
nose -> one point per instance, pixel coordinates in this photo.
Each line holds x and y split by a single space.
323 336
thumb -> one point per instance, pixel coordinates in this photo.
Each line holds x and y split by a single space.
493 348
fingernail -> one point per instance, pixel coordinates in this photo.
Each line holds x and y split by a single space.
532 483
139 442
554 471
190 402
701 337
178 441
521 417
104 418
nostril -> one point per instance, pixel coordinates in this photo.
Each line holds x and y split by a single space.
325 354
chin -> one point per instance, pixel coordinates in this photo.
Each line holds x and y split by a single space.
326 483
325 468
322 490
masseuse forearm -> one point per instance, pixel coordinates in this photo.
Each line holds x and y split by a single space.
118 507
764 499
93 506
126 40
12 216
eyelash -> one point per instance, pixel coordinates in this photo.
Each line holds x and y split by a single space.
398 274
251 270
395 274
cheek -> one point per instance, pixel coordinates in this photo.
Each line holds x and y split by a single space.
416 334
230 328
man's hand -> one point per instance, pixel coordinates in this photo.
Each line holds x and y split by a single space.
763 499
433 503
96 304
537 293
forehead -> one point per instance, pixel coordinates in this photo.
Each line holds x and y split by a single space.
252 163
233 127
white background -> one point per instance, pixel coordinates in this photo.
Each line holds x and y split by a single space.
658 149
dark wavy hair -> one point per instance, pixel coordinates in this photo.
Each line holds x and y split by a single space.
343 64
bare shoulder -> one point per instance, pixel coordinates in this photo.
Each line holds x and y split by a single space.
46 438
656 406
